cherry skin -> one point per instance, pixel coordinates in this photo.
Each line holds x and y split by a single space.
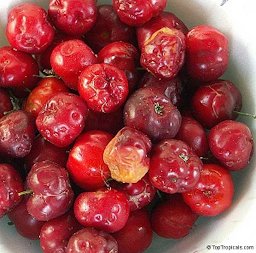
5 102
193 133
163 54
91 240
45 89
207 53
164 19
231 142
136 13
52 195
106 209
127 155
136 236
55 233
69 58
213 193
139 194
216 101
25 224
103 87
17 69
85 161
172 217
108 28
151 112
124 56
17 132
28 28
62 118
11 185
74 17
174 166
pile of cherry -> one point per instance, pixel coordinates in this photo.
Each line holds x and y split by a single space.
114 124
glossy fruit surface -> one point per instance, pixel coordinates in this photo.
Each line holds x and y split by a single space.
25 224
69 58
127 155
55 233
207 53
91 240
10 186
136 236
172 217
45 89
103 87
85 160
231 142
213 193
106 210
216 101
74 17
151 112
174 167
62 118
28 29
52 195
17 69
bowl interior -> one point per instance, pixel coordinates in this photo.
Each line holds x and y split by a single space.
236 226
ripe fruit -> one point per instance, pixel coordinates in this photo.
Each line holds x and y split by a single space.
106 209
213 193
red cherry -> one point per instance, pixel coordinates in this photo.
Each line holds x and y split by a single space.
213 193
28 29
85 161
106 210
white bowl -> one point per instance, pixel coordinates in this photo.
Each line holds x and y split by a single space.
237 226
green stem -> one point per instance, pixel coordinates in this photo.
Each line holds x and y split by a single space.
26 192
246 114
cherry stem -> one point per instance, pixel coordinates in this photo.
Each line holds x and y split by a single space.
246 114
26 192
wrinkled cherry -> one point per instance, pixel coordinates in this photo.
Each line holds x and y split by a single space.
174 166
207 53
103 87
136 13
163 53
52 195
91 240
231 142
85 160
106 210
28 28
213 193
164 19
17 132
74 17
11 185
62 118
127 155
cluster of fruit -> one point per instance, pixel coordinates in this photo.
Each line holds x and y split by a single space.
114 124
